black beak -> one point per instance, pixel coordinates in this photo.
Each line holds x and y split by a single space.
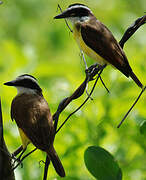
64 14
10 83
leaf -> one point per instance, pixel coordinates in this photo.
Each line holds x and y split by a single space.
143 128
101 164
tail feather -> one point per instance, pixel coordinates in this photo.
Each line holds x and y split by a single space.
56 162
136 80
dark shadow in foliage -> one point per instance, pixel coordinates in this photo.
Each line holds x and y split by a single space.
143 128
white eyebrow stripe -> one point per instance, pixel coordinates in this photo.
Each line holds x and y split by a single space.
26 77
78 6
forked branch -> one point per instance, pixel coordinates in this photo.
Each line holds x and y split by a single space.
65 102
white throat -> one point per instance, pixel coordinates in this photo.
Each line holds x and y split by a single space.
75 20
22 90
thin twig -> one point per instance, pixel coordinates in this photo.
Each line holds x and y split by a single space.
88 92
24 158
131 107
65 20
17 151
47 162
41 161
104 84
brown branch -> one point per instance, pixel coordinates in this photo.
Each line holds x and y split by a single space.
104 84
91 72
5 157
132 29
83 102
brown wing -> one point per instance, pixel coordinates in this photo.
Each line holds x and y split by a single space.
32 115
101 40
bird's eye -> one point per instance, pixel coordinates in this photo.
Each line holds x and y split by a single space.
72 14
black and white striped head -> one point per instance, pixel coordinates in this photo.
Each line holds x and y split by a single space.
25 84
76 12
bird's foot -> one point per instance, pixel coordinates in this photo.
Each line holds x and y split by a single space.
93 70
16 160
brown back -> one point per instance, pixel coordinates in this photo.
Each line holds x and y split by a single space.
32 115
97 36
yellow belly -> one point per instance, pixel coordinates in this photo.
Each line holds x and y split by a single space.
87 50
24 138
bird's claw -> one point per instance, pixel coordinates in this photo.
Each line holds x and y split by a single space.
18 160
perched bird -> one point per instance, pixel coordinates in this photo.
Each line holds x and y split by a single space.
96 40
32 115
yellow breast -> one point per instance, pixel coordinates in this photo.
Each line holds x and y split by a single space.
87 50
24 138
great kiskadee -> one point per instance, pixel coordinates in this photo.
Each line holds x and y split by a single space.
96 40
32 115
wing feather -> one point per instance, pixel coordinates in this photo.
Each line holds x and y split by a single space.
34 118
100 39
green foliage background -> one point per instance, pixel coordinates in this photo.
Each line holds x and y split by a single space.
31 41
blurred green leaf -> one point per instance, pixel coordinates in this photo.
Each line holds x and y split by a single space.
143 128
101 164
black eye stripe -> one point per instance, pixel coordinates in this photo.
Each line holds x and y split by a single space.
27 83
79 12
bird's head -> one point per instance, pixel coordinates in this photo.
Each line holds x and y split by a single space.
76 13
25 84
